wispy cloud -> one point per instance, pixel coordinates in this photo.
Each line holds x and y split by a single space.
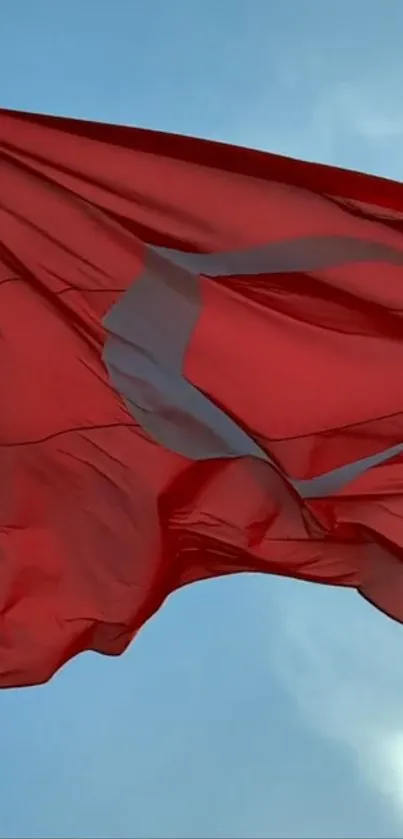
361 110
341 662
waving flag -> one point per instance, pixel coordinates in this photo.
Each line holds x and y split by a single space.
201 350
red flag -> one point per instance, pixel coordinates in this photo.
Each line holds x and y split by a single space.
200 362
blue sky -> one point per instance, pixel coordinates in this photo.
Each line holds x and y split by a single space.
250 707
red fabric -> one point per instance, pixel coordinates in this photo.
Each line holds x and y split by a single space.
98 524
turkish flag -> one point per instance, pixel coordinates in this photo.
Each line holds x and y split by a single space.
200 355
